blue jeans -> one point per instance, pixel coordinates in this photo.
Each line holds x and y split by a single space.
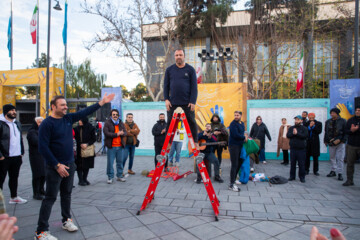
176 146
112 153
129 150
262 155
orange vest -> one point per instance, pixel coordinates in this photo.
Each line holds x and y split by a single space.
116 142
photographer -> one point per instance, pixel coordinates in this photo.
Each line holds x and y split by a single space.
209 137
335 138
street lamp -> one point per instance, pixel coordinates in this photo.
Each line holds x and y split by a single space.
221 55
57 7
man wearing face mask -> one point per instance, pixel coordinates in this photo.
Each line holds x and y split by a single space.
11 151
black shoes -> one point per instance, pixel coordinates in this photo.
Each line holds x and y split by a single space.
87 182
38 197
307 172
219 179
198 181
82 183
340 178
331 174
348 183
302 180
291 179
316 174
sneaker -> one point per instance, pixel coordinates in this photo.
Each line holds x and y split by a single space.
237 182
340 178
252 169
131 172
121 179
234 188
110 181
177 164
264 162
69 225
17 200
198 182
331 174
171 164
44 236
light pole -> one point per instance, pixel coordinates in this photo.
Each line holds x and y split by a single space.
57 7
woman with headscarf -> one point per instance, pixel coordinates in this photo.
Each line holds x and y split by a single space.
37 163
85 137
283 141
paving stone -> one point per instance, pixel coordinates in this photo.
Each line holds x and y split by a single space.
269 228
168 209
291 195
263 200
176 195
248 194
181 235
137 233
333 204
249 233
172 215
224 237
69 235
270 194
228 225
303 210
288 202
322 219
293 217
203 204
164 228
265 215
293 235
196 197
113 236
352 205
150 218
182 203
351 232
229 206
117 214
96 230
126 223
239 199
277 209
90 219
330 212
85 211
252 207
239 214
348 220
351 212
210 212
188 221
314 196
206 231
335 197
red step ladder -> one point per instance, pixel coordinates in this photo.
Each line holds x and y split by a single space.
199 157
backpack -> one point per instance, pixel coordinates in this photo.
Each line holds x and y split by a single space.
278 180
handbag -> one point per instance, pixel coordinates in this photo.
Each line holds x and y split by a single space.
137 143
89 151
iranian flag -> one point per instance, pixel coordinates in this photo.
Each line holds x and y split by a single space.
33 24
300 79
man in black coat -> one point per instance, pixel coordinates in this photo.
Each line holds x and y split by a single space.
37 163
297 135
353 145
159 132
313 143
258 131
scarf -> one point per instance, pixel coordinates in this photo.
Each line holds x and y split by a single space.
285 131
115 122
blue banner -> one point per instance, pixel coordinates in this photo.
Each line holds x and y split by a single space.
342 95
9 37
64 33
116 102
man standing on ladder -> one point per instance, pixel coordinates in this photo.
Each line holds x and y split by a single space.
180 90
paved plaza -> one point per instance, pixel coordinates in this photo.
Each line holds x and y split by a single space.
181 209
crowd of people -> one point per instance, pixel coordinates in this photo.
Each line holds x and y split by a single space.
57 150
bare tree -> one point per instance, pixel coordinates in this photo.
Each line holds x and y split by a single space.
125 31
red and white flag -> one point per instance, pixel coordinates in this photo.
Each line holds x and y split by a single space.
33 24
300 79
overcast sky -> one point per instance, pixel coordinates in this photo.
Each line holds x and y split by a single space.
81 28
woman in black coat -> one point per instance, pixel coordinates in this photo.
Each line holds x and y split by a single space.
259 131
84 136
37 163
313 143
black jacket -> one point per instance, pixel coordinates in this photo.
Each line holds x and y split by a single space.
209 148
259 132
109 132
159 138
88 137
37 162
297 141
335 129
224 136
5 138
313 141
353 137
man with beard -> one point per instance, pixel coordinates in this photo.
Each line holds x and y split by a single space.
335 138
180 90
159 133
236 141
297 135
353 145
130 139
313 144
221 134
304 117
56 147
11 151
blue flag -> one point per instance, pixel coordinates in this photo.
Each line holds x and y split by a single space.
9 37
64 33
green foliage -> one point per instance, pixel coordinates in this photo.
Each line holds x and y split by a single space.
42 61
125 92
140 94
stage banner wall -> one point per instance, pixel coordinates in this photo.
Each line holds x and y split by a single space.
116 102
342 94
272 111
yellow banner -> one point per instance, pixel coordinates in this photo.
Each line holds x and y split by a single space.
222 99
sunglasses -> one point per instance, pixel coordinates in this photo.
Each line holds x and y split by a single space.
115 114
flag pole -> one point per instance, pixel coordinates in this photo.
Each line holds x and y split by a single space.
11 39
65 50
37 36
